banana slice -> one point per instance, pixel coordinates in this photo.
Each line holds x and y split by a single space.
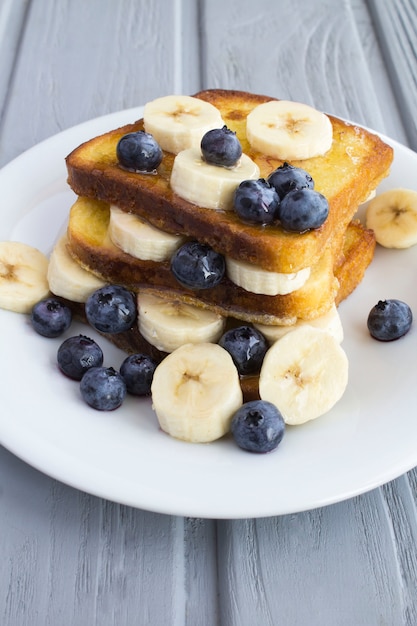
23 280
304 374
289 130
329 322
139 239
257 280
195 392
207 185
68 279
179 122
392 215
168 324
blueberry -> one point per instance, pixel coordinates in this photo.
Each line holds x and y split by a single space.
103 388
220 146
139 151
302 210
50 317
258 426
256 201
289 178
137 371
197 266
78 354
389 320
247 347
111 309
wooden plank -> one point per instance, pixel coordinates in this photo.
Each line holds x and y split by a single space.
78 60
396 28
322 53
337 565
12 18
328 566
70 558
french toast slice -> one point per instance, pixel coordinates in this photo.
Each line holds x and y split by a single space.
357 161
90 245
357 253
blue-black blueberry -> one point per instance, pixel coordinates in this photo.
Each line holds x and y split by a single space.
302 210
137 371
111 309
288 178
139 151
256 201
50 317
389 320
78 354
220 146
258 426
197 265
103 388
247 347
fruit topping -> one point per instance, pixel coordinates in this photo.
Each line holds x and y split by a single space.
256 201
288 178
179 122
195 392
290 131
167 323
220 146
50 317
137 371
304 374
111 309
197 266
23 276
389 320
258 426
78 354
208 185
392 215
103 388
247 347
139 152
302 210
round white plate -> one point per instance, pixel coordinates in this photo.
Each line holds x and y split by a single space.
368 439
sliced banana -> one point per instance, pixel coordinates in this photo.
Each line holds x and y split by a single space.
289 130
179 122
257 280
392 215
23 280
304 374
168 324
195 392
68 279
140 239
329 322
207 185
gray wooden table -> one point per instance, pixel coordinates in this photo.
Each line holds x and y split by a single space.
69 558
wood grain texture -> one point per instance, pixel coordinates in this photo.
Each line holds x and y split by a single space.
78 60
298 569
72 559
396 29
325 55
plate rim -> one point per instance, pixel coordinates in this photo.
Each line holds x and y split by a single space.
174 507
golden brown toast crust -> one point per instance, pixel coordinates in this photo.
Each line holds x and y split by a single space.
357 254
90 245
346 174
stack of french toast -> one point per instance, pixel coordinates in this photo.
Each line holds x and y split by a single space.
126 225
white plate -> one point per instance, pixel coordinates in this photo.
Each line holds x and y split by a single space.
368 439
